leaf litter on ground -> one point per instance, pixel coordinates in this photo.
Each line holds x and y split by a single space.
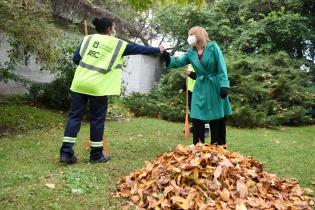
205 177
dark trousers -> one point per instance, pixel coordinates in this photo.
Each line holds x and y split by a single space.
217 128
189 99
98 110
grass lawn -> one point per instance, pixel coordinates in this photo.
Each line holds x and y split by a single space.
28 161
16 119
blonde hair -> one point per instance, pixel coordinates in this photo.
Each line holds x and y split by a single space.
201 34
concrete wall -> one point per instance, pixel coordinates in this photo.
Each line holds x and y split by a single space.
140 75
30 71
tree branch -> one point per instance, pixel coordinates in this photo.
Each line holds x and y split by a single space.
70 8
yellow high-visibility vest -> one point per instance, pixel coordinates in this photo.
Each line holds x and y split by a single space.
191 82
100 69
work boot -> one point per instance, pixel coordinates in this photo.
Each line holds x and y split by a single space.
68 159
103 159
67 154
97 156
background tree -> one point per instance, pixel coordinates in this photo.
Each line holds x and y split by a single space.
269 49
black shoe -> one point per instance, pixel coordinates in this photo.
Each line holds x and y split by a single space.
103 159
68 159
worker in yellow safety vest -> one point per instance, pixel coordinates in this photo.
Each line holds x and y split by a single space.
98 75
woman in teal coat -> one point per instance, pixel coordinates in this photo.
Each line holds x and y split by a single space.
209 98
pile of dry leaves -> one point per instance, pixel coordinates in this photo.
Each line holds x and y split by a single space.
208 177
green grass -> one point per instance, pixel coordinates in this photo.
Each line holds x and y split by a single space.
29 161
17 119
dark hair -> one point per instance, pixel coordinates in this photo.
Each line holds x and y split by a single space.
102 24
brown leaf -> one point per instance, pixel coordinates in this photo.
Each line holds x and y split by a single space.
181 149
50 185
196 173
241 188
181 179
49 175
226 163
240 207
225 194
135 198
152 202
308 191
250 183
181 202
166 204
217 172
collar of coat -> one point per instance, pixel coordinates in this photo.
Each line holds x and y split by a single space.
193 55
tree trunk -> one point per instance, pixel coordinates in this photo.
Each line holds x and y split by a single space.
76 10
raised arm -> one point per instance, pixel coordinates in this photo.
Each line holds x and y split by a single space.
178 62
133 49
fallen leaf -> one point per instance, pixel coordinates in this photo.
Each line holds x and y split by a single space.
49 175
135 198
181 179
140 136
225 194
50 185
308 191
217 172
181 202
240 207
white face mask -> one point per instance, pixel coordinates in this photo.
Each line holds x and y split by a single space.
114 33
192 40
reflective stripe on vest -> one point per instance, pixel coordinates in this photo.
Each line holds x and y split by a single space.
111 63
100 69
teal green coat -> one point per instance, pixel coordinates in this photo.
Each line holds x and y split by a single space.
206 103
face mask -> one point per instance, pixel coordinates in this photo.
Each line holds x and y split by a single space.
192 40
114 33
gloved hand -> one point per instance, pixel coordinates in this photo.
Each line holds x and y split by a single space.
224 92
191 74
166 56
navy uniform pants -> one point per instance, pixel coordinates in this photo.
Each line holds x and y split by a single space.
97 112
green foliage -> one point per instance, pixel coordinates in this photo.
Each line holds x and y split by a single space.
275 32
30 25
116 108
17 54
19 118
57 93
269 91
144 5
246 26
267 44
